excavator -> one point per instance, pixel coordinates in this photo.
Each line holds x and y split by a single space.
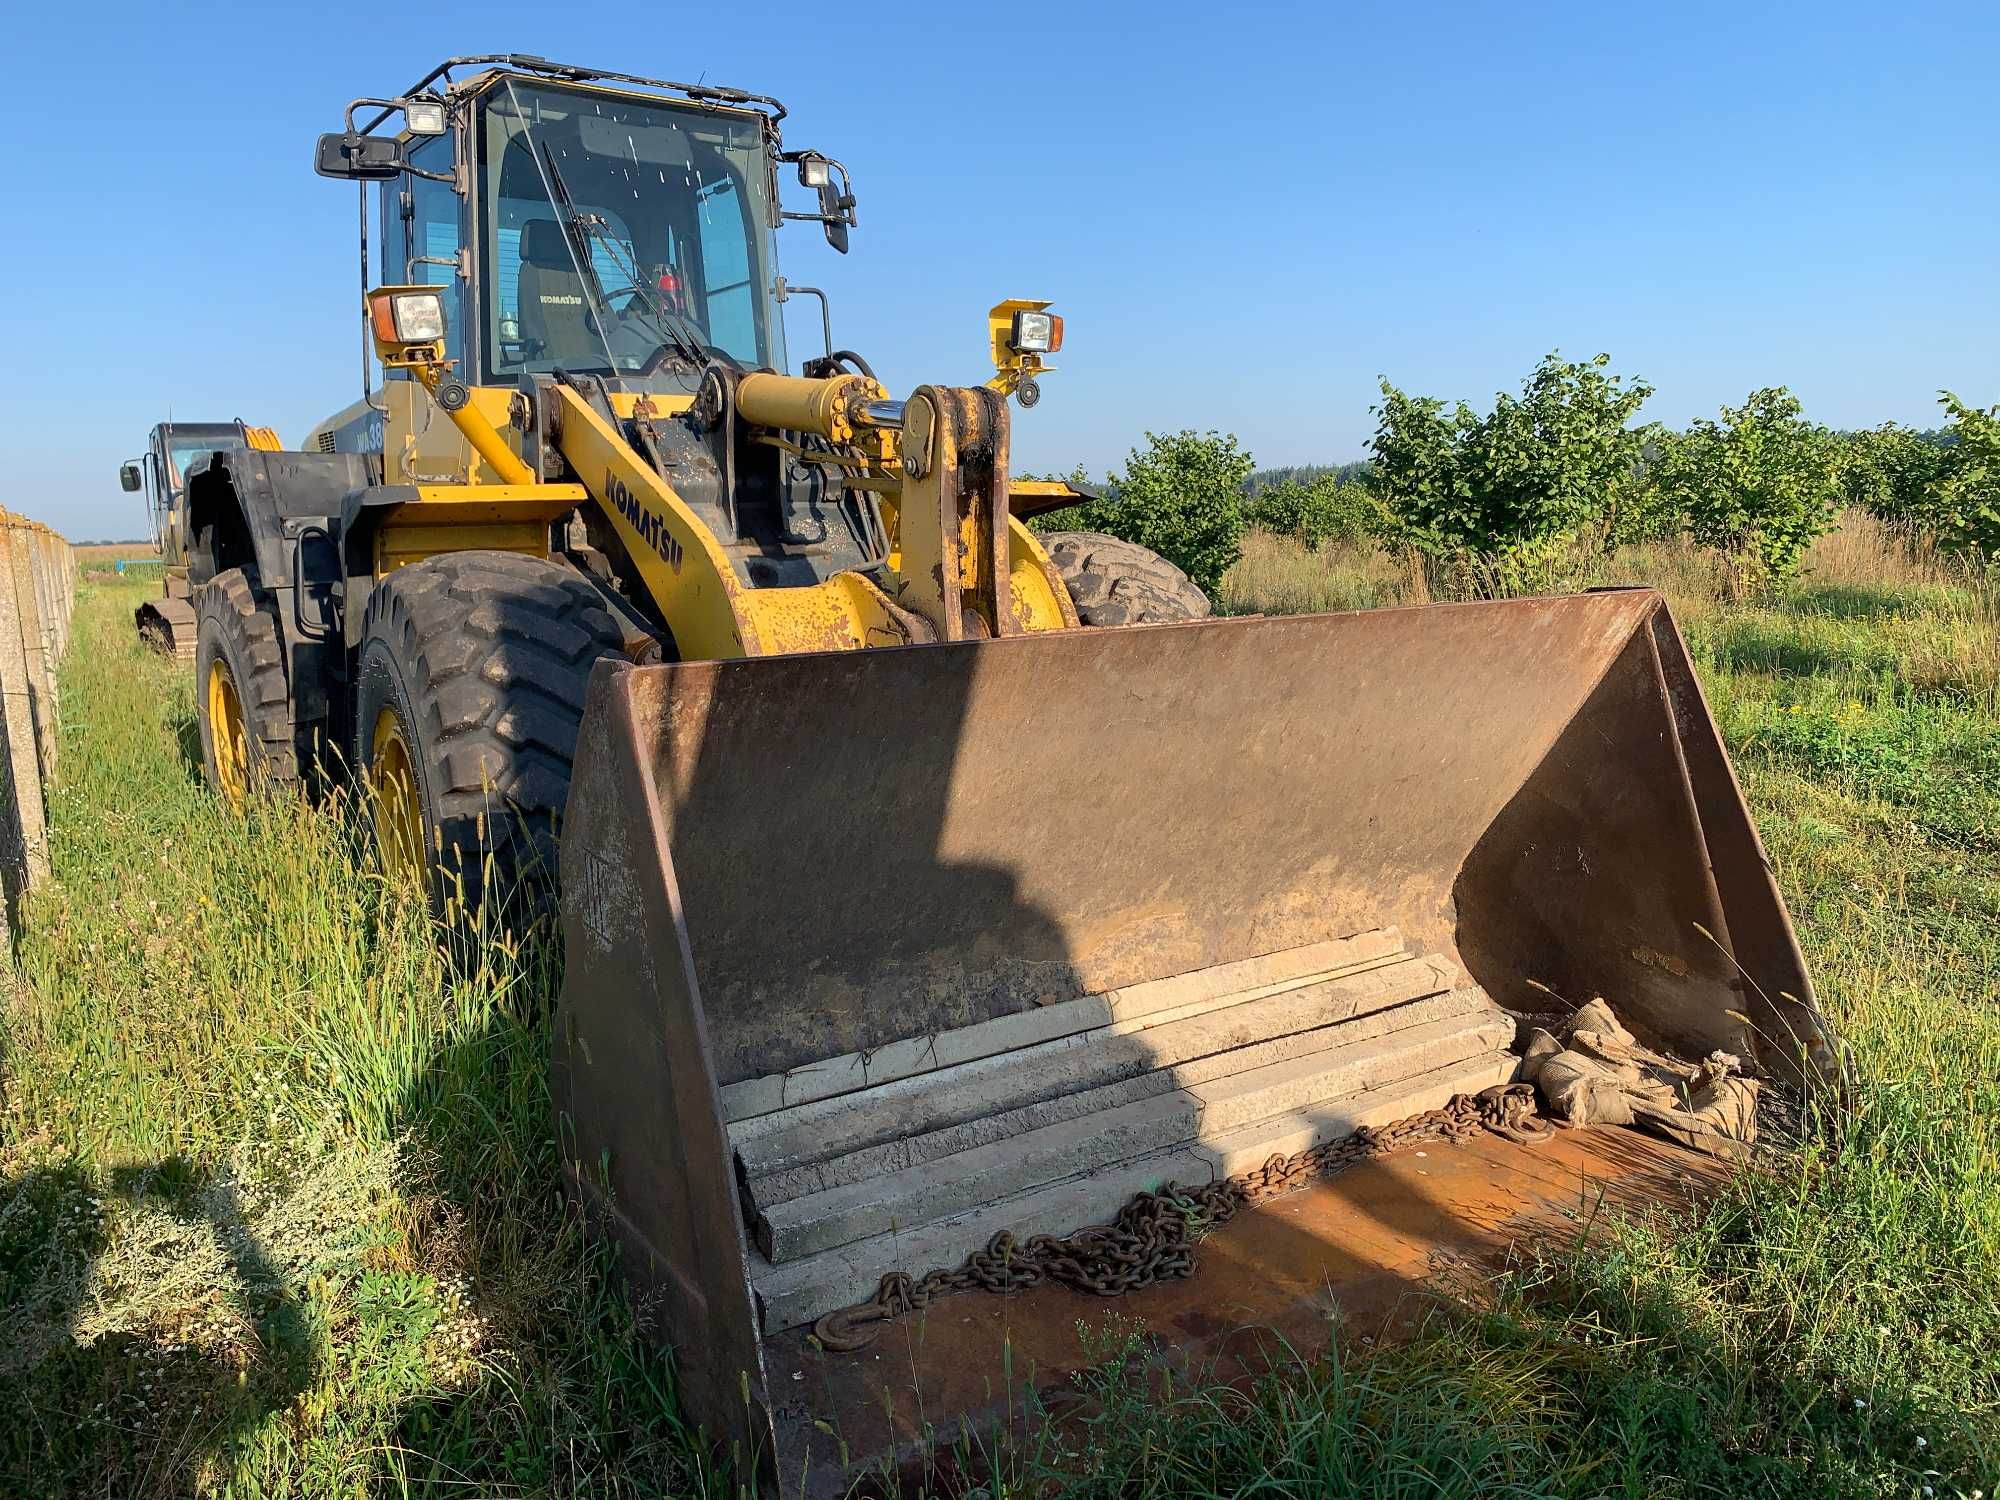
167 623
938 895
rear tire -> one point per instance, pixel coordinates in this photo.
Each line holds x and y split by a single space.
470 687
243 701
1114 582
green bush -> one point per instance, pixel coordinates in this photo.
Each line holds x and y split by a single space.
1502 497
1317 510
1181 495
1759 485
1640 508
1969 483
1894 474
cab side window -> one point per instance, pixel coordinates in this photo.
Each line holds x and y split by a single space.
430 240
731 311
157 494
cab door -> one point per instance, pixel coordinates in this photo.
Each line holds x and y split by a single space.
164 489
423 233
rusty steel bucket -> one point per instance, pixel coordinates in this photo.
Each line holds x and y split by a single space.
871 954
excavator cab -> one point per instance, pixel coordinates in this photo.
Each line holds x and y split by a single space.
161 474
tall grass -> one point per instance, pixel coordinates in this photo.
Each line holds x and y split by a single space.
1278 576
1832 1326
279 1211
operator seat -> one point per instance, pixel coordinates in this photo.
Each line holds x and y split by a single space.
555 308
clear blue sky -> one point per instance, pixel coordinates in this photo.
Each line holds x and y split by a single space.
1247 213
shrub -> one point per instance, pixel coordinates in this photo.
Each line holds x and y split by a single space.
1317 510
1759 485
1894 474
1969 482
1181 495
1502 497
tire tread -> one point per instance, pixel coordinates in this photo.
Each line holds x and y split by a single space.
1114 582
248 619
495 650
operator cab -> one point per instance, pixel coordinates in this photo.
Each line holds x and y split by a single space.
598 230
623 236
161 473
590 229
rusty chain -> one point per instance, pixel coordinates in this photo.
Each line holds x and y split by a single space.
1153 1238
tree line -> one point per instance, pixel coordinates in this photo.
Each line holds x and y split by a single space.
1502 501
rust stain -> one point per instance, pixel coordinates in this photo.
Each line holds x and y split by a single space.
1355 1252
1652 958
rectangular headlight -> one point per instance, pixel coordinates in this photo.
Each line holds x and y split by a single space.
1036 333
424 117
419 318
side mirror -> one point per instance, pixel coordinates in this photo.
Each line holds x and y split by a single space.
834 210
128 478
359 158
836 194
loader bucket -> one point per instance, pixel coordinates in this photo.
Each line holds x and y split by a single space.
873 954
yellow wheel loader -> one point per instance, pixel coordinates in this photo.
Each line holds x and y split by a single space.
922 933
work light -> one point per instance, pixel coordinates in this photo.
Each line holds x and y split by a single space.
1036 333
405 320
424 117
419 317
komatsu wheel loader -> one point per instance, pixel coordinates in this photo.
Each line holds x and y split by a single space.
914 922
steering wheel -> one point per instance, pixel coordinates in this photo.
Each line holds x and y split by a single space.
633 297
631 294
659 357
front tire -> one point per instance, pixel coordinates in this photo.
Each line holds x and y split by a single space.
471 682
243 700
1115 582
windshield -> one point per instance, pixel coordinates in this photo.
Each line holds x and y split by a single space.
623 233
185 454
189 441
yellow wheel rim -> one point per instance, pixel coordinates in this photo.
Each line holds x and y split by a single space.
227 736
392 787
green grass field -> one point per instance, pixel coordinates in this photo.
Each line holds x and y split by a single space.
279 1211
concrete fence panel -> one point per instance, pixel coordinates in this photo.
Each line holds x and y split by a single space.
37 598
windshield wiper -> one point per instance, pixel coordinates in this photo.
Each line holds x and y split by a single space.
673 328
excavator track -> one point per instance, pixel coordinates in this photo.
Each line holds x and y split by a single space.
167 625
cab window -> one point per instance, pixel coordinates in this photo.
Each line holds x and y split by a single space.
622 231
420 242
